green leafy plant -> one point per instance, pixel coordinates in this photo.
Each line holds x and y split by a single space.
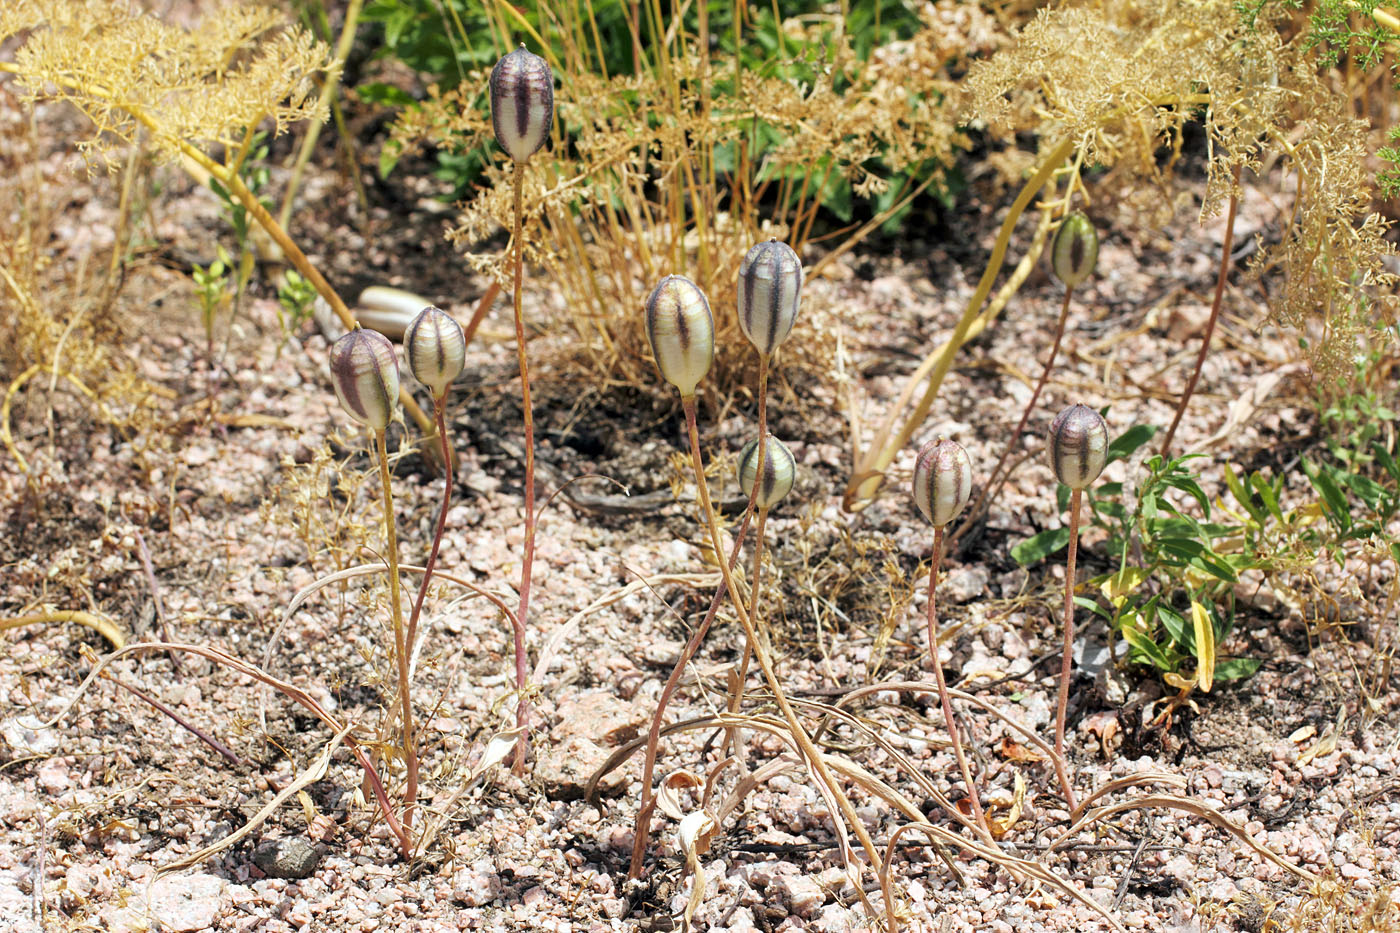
295 300
211 287
1170 597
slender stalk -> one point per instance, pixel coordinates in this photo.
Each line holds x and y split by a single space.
400 649
954 733
1215 302
996 481
439 407
522 710
643 825
799 734
194 730
737 696
1067 661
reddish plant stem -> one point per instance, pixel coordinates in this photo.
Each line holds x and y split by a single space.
806 747
192 729
522 710
994 484
642 831
1067 660
439 404
1215 303
954 733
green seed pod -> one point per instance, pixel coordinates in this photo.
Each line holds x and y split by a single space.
682 332
1075 249
770 290
942 480
779 471
366 376
1078 446
436 349
522 103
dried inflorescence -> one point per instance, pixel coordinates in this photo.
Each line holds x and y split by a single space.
134 75
1122 81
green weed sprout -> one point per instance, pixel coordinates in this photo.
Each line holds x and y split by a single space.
365 372
522 110
942 486
1078 450
1073 254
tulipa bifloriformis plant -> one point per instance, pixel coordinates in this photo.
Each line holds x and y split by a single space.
1073 254
942 486
681 328
365 372
1078 450
522 112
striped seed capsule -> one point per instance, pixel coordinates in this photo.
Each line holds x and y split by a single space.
779 471
436 349
1075 249
522 103
942 481
365 372
1078 446
770 291
682 332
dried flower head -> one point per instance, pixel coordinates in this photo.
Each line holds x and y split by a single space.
1078 446
942 480
682 332
779 471
366 376
1075 250
770 291
436 349
522 103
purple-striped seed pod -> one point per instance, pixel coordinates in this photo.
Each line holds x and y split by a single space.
365 372
522 103
942 480
436 349
1077 446
770 291
779 471
682 332
1075 250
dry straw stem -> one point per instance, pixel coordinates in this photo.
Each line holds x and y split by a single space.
99 57
344 731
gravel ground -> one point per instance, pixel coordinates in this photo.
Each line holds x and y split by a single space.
1300 757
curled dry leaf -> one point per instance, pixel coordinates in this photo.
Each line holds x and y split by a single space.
694 835
668 798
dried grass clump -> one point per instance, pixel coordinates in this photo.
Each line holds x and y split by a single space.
1121 82
655 172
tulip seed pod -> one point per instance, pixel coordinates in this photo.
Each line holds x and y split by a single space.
1078 446
366 376
770 290
779 471
436 349
522 103
942 481
682 332
1075 249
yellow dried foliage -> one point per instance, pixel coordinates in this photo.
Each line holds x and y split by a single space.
1122 79
127 70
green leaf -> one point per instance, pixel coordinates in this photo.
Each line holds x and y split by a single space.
1237 668
1147 649
1125 444
1176 627
1333 498
1266 493
1038 547
1243 496
1094 606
